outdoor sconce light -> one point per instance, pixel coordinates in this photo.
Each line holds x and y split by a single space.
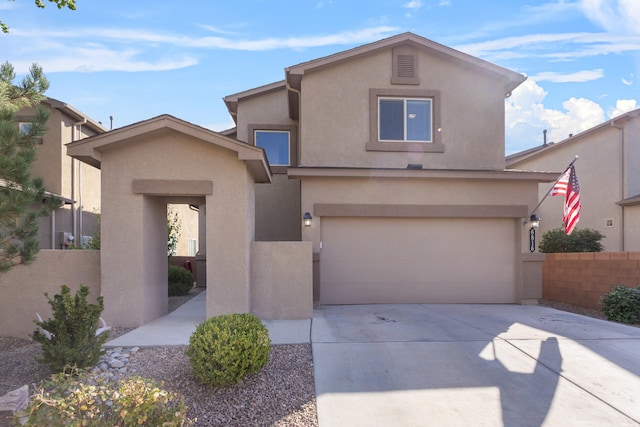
307 219
534 220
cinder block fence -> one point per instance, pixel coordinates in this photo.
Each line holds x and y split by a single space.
583 278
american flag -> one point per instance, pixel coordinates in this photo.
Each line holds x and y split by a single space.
561 185
568 185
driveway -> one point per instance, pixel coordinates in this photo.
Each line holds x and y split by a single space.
480 365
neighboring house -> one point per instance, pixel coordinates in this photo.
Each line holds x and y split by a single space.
76 184
608 170
393 153
396 150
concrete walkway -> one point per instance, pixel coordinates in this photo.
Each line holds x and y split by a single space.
176 328
453 365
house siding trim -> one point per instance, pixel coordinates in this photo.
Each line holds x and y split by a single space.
499 175
420 211
168 187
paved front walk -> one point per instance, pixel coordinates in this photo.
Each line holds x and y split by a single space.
480 365
176 328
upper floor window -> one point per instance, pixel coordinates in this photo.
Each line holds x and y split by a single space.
25 128
275 144
405 119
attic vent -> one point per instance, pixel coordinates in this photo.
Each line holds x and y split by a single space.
405 66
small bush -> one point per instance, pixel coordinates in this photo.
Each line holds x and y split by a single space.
80 400
581 240
225 348
180 281
73 329
622 304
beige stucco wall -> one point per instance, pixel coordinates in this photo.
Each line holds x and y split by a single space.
270 109
601 183
278 216
22 288
407 191
632 228
281 280
130 251
188 222
335 115
66 177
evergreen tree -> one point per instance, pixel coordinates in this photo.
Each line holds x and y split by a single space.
22 196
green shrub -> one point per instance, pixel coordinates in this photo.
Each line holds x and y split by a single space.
223 349
180 281
581 240
73 341
81 400
622 304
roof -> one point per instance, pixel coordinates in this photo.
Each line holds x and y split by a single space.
75 114
294 74
535 152
89 150
630 201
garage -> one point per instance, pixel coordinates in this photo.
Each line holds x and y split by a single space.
365 260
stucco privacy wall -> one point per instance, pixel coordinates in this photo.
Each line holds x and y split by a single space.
134 225
23 287
281 280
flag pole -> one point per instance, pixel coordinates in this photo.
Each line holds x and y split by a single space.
553 185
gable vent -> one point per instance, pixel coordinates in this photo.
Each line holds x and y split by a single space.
405 66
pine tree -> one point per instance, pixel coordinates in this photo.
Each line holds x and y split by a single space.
22 196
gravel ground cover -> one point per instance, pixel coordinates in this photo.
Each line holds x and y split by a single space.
281 394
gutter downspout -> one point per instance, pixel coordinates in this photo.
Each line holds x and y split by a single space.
622 182
76 129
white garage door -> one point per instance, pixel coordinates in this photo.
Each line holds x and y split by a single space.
417 260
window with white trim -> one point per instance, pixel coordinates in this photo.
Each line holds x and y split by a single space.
405 119
276 144
192 247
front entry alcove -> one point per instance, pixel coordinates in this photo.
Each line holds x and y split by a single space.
164 160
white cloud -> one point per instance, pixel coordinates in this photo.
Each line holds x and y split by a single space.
526 117
557 46
623 106
627 82
616 16
578 76
413 4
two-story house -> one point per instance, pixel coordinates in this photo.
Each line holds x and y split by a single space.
395 150
377 175
608 172
76 184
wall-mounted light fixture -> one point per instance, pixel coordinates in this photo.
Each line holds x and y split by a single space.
534 222
306 219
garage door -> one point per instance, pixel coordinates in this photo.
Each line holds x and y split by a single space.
417 260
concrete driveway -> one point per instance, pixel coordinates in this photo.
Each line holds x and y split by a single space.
480 365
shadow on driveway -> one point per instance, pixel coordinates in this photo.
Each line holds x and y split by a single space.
416 365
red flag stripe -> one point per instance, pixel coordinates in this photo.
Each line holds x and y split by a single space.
572 202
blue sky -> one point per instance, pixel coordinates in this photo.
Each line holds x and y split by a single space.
134 60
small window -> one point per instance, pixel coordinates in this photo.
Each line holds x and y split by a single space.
608 223
25 128
192 247
275 145
405 120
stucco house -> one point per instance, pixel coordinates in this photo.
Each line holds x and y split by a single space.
383 167
75 183
609 174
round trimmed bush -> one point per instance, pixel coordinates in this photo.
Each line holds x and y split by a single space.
180 281
622 304
224 349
